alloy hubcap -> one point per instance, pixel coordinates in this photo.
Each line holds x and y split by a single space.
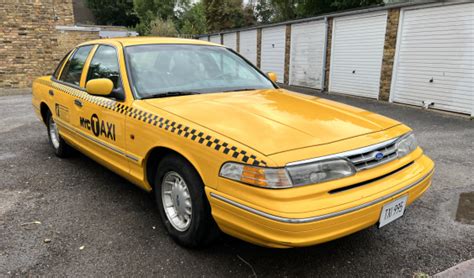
176 201
53 133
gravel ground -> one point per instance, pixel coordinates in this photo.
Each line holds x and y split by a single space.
75 218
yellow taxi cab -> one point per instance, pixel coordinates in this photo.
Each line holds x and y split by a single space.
223 148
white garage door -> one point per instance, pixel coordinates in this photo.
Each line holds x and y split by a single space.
216 39
248 45
273 51
307 51
230 40
356 54
435 58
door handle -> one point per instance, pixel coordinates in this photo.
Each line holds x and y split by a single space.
51 92
78 102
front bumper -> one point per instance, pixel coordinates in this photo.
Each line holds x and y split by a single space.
274 228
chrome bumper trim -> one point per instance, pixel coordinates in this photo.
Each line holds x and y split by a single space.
319 217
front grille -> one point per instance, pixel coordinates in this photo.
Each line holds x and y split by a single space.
363 158
367 159
345 188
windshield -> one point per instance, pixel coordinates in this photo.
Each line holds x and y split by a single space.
172 69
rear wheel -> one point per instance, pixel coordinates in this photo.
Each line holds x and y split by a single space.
61 148
182 202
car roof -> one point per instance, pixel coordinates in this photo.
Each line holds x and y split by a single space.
126 41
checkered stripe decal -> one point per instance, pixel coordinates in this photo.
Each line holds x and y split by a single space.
163 123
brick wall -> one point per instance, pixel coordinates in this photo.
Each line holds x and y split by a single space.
30 43
393 17
237 37
328 54
68 39
259 46
286 76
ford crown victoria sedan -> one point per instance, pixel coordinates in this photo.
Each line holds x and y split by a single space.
223 148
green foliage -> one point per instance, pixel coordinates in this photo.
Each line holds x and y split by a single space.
249 16
149 10
163 28
170 17
309 8
223 14
264 11
113 12
285 9
350 4
192 19
291 9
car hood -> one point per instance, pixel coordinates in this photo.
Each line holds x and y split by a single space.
273 121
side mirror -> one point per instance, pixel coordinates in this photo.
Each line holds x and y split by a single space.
99 87
273 77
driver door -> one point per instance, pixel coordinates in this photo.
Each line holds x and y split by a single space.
103 128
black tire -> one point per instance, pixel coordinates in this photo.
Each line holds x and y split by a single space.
202 230
61 148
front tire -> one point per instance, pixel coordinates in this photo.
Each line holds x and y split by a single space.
182 203
60 147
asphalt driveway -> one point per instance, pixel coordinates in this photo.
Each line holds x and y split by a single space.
74 217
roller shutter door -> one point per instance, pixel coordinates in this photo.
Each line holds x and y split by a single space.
230 40
216 39
356 54
307 52
273 51
435 58
203 38
248 45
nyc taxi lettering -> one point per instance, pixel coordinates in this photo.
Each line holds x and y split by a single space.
98 127
62 112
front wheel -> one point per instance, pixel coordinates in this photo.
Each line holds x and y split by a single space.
61 148
182 202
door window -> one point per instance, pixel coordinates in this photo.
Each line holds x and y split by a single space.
105 65
58 68
73 69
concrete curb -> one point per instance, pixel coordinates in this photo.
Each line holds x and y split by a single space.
14 92
462 270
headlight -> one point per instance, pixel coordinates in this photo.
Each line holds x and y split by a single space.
406 144
258 176
321 171
298 175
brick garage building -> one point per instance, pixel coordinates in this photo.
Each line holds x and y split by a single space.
35 35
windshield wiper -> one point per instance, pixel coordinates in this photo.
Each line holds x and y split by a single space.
238 90
170 94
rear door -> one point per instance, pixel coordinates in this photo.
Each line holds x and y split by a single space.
64 88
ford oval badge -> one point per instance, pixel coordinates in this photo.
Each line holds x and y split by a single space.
378 156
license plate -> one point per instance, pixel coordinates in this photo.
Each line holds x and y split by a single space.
392 211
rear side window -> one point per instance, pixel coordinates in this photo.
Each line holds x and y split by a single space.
58 68
73 69
104 64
